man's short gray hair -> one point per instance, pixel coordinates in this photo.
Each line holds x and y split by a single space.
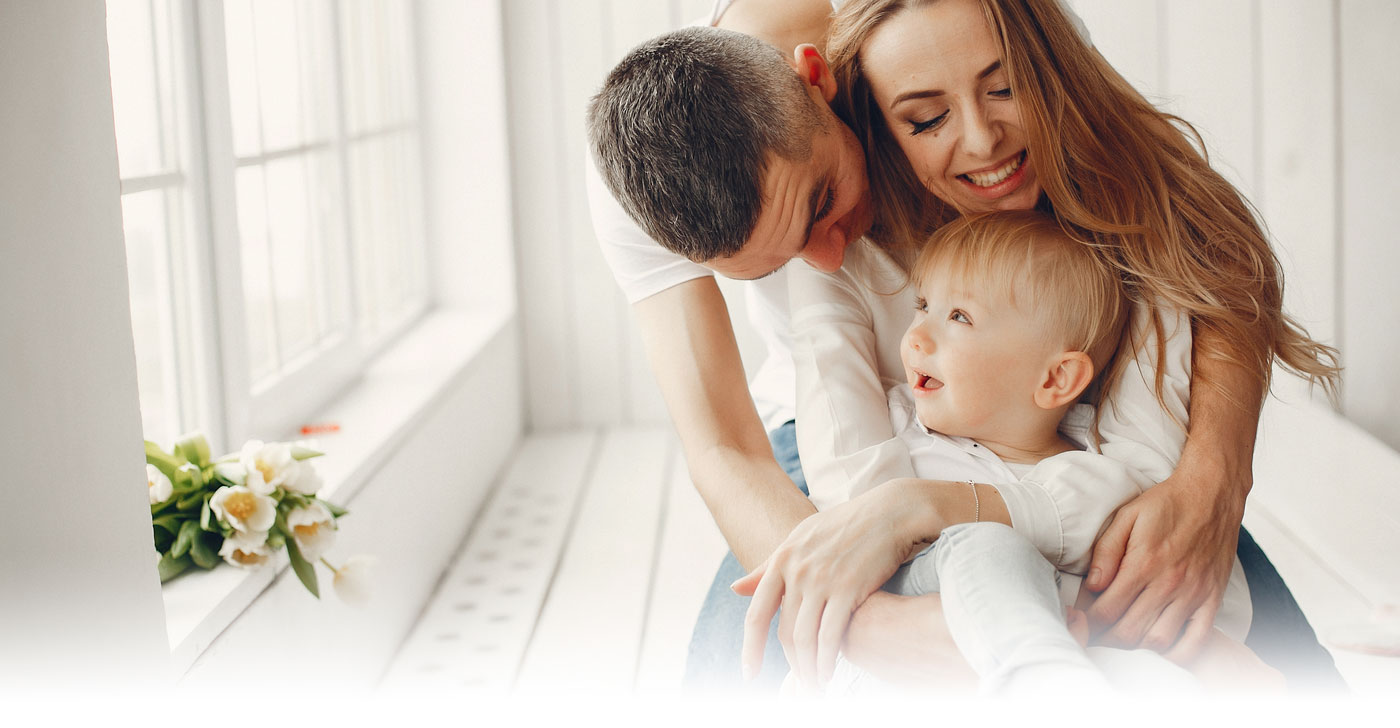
682 131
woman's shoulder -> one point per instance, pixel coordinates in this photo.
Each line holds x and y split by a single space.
868 263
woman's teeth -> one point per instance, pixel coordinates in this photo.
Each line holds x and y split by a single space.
987 179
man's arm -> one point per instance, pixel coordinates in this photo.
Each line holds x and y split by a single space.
1165 558
690 342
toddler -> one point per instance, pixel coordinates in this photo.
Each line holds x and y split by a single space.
1016 327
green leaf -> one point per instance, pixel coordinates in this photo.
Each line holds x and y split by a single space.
164 461
188 530
205 549
169 522
196 475
302 452
190 501
276 539
171 567
335 510
194 448
291 500
181 484
164 540
305 571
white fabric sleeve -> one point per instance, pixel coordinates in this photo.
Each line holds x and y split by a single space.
1065 501
1134 427
641 266
843 423
1062 504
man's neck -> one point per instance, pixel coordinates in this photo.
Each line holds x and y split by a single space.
784 24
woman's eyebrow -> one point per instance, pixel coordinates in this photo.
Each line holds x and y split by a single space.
930 93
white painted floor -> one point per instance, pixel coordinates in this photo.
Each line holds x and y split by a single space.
586 568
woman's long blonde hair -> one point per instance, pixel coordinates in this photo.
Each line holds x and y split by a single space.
1116 172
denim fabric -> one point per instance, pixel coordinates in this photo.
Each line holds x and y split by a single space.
718 638
1279 634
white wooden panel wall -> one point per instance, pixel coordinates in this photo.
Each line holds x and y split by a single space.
1370 213
584 362
1258 80
1292 97
1297 161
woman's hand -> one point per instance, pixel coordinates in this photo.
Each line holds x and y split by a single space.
825 569
1162 563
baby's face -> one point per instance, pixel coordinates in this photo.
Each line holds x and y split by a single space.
973 358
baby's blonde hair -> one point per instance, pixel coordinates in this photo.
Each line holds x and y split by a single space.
1027 257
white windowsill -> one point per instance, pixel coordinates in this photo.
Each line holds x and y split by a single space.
374 417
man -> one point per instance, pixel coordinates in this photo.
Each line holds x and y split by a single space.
718 154
804 158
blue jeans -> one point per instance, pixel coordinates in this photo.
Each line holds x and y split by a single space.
1279 634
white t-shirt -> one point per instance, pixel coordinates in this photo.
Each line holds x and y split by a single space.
643 268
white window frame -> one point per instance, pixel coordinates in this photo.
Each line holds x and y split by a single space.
189 254
217 393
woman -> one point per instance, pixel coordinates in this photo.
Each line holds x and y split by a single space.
966 106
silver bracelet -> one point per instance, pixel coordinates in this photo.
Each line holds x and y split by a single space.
976 504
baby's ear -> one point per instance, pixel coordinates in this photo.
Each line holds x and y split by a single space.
1065 379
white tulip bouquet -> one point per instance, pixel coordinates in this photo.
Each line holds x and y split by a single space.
243 507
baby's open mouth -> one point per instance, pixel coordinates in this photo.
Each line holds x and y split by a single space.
924 382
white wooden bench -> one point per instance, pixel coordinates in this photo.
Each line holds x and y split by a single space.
583 573
587 566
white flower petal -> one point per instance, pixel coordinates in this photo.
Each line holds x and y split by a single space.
244 509
246 549
313 527
302 478
353 581
158 485
268 465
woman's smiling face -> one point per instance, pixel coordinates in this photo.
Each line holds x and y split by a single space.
936 73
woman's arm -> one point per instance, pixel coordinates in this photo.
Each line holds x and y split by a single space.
1166 556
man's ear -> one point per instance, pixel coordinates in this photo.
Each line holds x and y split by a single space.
1065 379
813 71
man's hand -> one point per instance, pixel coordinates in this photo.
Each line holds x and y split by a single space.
825 569
905 641
1162 563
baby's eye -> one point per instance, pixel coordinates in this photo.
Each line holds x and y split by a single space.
959 316
920 304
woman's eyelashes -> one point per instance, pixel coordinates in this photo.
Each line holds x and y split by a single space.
919 127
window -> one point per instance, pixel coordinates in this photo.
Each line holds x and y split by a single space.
271 192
